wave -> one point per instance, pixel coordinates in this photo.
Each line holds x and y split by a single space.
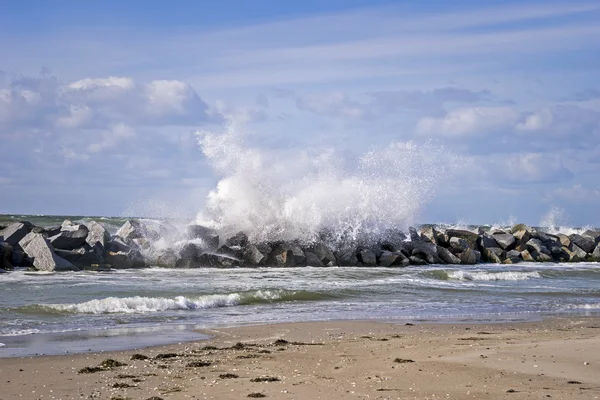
462 275
19 332
139 304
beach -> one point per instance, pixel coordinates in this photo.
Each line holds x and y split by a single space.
556 358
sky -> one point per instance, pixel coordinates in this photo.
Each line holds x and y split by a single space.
100 102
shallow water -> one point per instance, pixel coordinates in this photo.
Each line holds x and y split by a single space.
166 299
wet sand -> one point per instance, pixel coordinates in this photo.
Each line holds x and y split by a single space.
557 359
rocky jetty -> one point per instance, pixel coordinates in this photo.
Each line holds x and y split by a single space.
145 243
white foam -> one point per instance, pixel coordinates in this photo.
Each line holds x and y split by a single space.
492 276
137 304
2 345
295 195
19 332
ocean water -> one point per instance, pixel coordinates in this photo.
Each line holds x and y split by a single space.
138 302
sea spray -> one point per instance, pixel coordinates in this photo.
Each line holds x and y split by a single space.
297 196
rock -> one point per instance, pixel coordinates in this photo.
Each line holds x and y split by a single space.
6 256
537 246
446 256
459 244
234 252
505 240
312 260
493 255
70 239
367 258
578 251
81 257
392 240
558 254
485 241
117 244
521 232
547 239
253 256
389 259
584 243
427 252
125 260
592 235
43 255
166 259
470 237
131 229
416 261
189 256
538 256
596 253
470 257
570 256
564 240
323 253
346 258
526 256
98 237
414 235
218 261
281 256
13 233
240 240
48 232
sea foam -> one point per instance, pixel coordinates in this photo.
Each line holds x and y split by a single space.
298 194
492 276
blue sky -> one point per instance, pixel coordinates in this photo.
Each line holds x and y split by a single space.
99 101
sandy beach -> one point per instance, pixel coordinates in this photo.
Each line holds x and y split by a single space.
556 359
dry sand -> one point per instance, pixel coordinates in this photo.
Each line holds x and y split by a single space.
557 359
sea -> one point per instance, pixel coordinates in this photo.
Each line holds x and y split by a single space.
55 313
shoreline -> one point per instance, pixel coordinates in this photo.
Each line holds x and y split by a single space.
335 360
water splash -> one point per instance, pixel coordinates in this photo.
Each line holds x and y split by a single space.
298 194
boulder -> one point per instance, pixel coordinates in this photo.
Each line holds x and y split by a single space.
526 256
596 253
323 253
427 252
312 260
239 240
570 256
131 229
470 257
13 233
217 261
416 261
234 252
253 256
558 254
414 235
367 258
390 259
6 256
538 256
81 257
538 246
592 235
117 244
392 240
486 241
459 244
564 240
43 255
521 232
70 239
346 258
125 260
446 256
547 239
493 255
504 240
98 237
470 237
578 251
166 259
583 242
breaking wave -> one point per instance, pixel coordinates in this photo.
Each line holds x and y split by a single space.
461 275
298 194
138 304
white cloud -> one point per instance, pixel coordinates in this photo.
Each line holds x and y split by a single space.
112 138
534 168
578 193
469 121
333 104
536 121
